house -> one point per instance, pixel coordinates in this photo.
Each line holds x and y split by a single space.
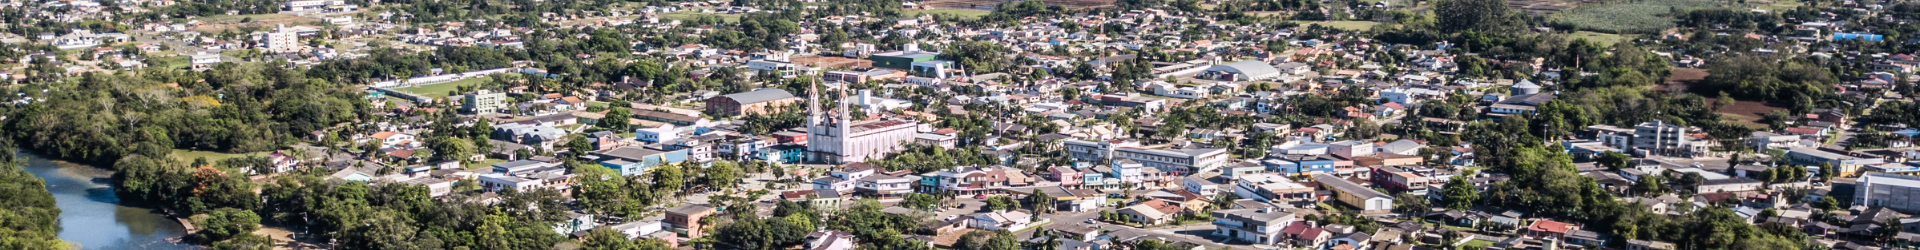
1200 185
1545 229
687 218
1010 220
1260 226
829 240
575 222
1150 212
1305 234
389 139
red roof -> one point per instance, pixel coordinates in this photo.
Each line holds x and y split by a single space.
1803 130
1550 226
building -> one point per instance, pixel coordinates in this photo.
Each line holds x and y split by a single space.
1150 212
844 140
1892 191
1180 162
687 218
1250 70
1095 150
203 61
901 60
1395 179
1846 163
830 240
282 41
637 160
1366 199
1661 138
760 101
1547 229
485 101
1269 187
1260 226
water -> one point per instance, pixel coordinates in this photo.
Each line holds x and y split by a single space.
92 218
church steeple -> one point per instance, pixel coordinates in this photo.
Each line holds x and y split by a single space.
813 104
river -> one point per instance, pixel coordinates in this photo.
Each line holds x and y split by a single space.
90 215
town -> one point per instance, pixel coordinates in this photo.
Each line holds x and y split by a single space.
975 125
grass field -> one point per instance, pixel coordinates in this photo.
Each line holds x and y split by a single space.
690 16
267 21
440 90
1646 16
1349 25
189 155
1603 38
169 62
936 12
486 163
1782 5
1477 244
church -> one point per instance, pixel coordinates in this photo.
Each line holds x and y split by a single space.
841 139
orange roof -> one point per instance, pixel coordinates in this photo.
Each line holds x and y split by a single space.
1550 226
383 135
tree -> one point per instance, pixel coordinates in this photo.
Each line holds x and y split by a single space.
1410 205
1040 202
579 145
1458 194
1827 172
387 229
720 175
608 239
1000 203
668 178
1615 160
1491 16
1830 204
919 201
616 119
226 223
987 240
1363 129
599 188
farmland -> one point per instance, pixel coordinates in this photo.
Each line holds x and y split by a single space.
1647 16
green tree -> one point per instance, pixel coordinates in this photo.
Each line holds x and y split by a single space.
225 223
387 229
578 144
1040 202
919 201
1491 16
1614 160
1458 194
721 175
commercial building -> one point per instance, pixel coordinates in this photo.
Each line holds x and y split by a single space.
1366 199
1893 191
1179 162
901 60
283 41
1249 70
1847 163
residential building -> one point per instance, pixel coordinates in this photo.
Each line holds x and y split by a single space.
687 218
1268 187
485 101
1150 212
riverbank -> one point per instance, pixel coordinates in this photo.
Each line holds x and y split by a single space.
91 215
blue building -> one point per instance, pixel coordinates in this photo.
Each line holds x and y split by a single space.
637 160
1300 165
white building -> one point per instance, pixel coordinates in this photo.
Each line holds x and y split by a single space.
843 140
1181 162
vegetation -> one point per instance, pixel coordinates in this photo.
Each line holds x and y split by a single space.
31 219
1640 16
